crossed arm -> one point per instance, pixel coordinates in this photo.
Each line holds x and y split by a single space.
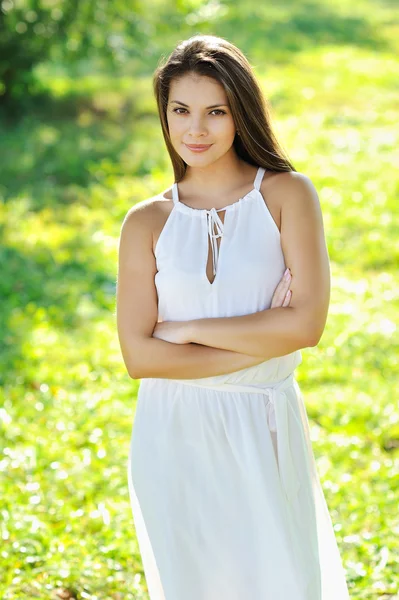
267 333
207 347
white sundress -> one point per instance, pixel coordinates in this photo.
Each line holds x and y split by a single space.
224 489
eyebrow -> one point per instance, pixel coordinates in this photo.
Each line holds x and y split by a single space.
186 105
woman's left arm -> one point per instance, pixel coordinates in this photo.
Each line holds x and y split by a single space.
271 333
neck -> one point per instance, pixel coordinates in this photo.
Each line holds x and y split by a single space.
211 179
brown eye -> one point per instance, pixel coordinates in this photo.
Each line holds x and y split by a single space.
216 110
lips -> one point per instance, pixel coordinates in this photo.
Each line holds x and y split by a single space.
198 146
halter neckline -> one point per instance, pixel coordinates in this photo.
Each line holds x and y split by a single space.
213 221
256 186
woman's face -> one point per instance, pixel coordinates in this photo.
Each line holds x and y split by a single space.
205 118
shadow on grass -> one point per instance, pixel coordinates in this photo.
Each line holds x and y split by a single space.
51 153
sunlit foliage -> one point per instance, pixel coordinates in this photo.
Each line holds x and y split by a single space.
73 164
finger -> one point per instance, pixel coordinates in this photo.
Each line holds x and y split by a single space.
287 298
281 291
285 302
285 283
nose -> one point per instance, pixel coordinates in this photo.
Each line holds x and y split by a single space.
197 127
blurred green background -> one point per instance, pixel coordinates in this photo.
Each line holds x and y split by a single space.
80 143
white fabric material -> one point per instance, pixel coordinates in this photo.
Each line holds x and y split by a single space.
226 498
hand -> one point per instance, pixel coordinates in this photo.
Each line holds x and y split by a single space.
176 332
282 294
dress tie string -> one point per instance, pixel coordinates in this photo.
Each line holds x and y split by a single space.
214 221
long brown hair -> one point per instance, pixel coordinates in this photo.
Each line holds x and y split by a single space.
215 57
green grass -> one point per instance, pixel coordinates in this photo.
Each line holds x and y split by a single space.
69 173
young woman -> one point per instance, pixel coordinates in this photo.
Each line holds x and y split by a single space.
226 498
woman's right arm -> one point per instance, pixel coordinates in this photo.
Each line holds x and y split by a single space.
137 314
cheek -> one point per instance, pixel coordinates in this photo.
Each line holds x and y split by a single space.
225 126
176 126
228 132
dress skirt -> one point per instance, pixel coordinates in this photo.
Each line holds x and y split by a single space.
225 494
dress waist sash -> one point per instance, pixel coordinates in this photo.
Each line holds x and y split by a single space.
281 412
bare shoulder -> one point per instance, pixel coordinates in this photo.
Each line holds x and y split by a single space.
288 187
289 193
147 218
140 213
287 181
